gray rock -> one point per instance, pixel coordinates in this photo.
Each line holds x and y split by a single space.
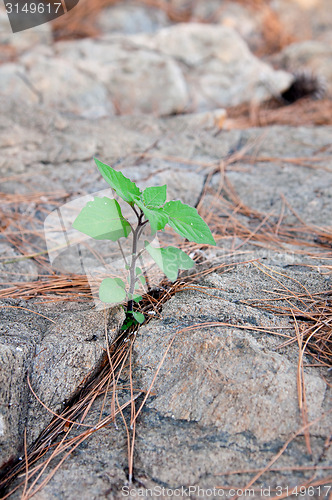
148 83
14 82
14 267
223 385
62 86
225 397
130 18
138 80
244 18
59 356
17 344
176 151
73 348
313 56
188 66
224 376
310 195
44 141
99 464
92 79
219 67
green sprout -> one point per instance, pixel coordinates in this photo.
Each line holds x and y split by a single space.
102 219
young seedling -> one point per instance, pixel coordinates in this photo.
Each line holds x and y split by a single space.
102 219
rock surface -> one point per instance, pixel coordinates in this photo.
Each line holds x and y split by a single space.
180 68
58 350
230 378
224 399
221 397
221 71
229 387
312 56
130 18
14 268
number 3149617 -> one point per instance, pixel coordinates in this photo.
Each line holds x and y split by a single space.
302 491
33 8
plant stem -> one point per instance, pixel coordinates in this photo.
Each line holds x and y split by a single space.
132 276
134 257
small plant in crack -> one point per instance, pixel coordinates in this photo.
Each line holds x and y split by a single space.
102 219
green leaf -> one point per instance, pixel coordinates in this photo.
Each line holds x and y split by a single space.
139 317
142 280
112 291
123 186
128 322
119 282
138 271
170 260
187 223
154 197
156 216
157 219
102 219
134 296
